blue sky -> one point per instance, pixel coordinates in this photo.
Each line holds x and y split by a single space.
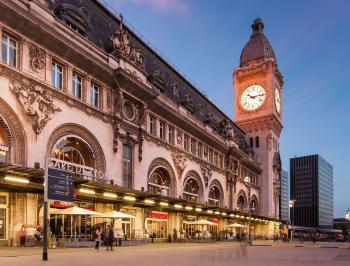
311 40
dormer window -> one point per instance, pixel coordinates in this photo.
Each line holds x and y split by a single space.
78 19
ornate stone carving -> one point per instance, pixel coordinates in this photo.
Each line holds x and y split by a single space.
122 45
140 140
16 134
36 57
179 136
232 165
119 102
180 162
142 111
116 129
36 102
207 173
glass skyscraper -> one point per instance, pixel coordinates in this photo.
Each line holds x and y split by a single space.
312 189
284 196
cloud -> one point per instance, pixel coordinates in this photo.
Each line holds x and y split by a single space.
162 6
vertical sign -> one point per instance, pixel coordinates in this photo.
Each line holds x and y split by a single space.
60 185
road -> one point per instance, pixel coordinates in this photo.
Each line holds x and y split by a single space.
182 254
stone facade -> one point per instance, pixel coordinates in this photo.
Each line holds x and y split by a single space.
106 99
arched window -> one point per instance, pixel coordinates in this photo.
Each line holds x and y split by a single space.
241 202
254 205
191 190
214 196
159 182
74 150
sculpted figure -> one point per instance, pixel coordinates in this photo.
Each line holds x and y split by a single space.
35 102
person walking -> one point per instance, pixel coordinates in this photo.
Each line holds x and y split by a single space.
110 238
22 235
97 238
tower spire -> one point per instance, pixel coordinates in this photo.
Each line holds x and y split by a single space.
257 25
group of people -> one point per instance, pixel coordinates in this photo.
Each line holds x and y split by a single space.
23 235
108 239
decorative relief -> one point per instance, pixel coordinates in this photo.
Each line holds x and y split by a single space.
207 173
116 128
122 45
36 57
232 165
179 136
119 102
180 162
36 102
140 139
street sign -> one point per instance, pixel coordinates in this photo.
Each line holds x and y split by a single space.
60 185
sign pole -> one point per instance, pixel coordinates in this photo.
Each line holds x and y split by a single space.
45 240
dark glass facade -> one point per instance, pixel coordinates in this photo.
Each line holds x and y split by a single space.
312 189
284 196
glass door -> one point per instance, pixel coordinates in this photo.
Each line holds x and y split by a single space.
3 215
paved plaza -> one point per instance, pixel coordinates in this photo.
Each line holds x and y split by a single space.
263 253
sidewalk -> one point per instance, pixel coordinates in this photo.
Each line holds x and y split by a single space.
31 251
308 244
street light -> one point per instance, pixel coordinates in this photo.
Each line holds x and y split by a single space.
248 184
291 205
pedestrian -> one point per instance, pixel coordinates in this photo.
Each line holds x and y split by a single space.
110 238
22 235
97 238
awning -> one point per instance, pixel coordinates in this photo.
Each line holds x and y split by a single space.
116 215
236 225
77 211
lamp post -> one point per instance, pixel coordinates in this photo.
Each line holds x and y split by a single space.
291 205
248 184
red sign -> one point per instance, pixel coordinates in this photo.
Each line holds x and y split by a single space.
216 221
157 215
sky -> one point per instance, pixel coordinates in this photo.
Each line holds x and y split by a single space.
311 40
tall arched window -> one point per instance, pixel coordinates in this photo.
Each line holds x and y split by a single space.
241 202
74 150
214 196
191 190
159 182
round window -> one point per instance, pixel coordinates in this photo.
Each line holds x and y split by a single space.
129 110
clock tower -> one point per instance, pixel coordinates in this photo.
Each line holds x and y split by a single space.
258 111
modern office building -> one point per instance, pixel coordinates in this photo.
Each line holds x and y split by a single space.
284 196
312 191
80 87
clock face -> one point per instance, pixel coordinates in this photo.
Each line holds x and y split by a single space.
277 100
253 97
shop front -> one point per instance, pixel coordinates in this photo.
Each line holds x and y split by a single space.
156 225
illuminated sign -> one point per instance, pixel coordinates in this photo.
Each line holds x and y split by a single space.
158 215
77 169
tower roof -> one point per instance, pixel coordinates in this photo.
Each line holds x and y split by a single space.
258 47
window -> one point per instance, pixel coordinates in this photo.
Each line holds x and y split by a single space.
191 190
127 166
251 142
74 150
216 159
56 75
161 130
94 95
257 144
76 86
159 182
151 125
193 146
186 142
171 135
214 196
200 150
9 50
